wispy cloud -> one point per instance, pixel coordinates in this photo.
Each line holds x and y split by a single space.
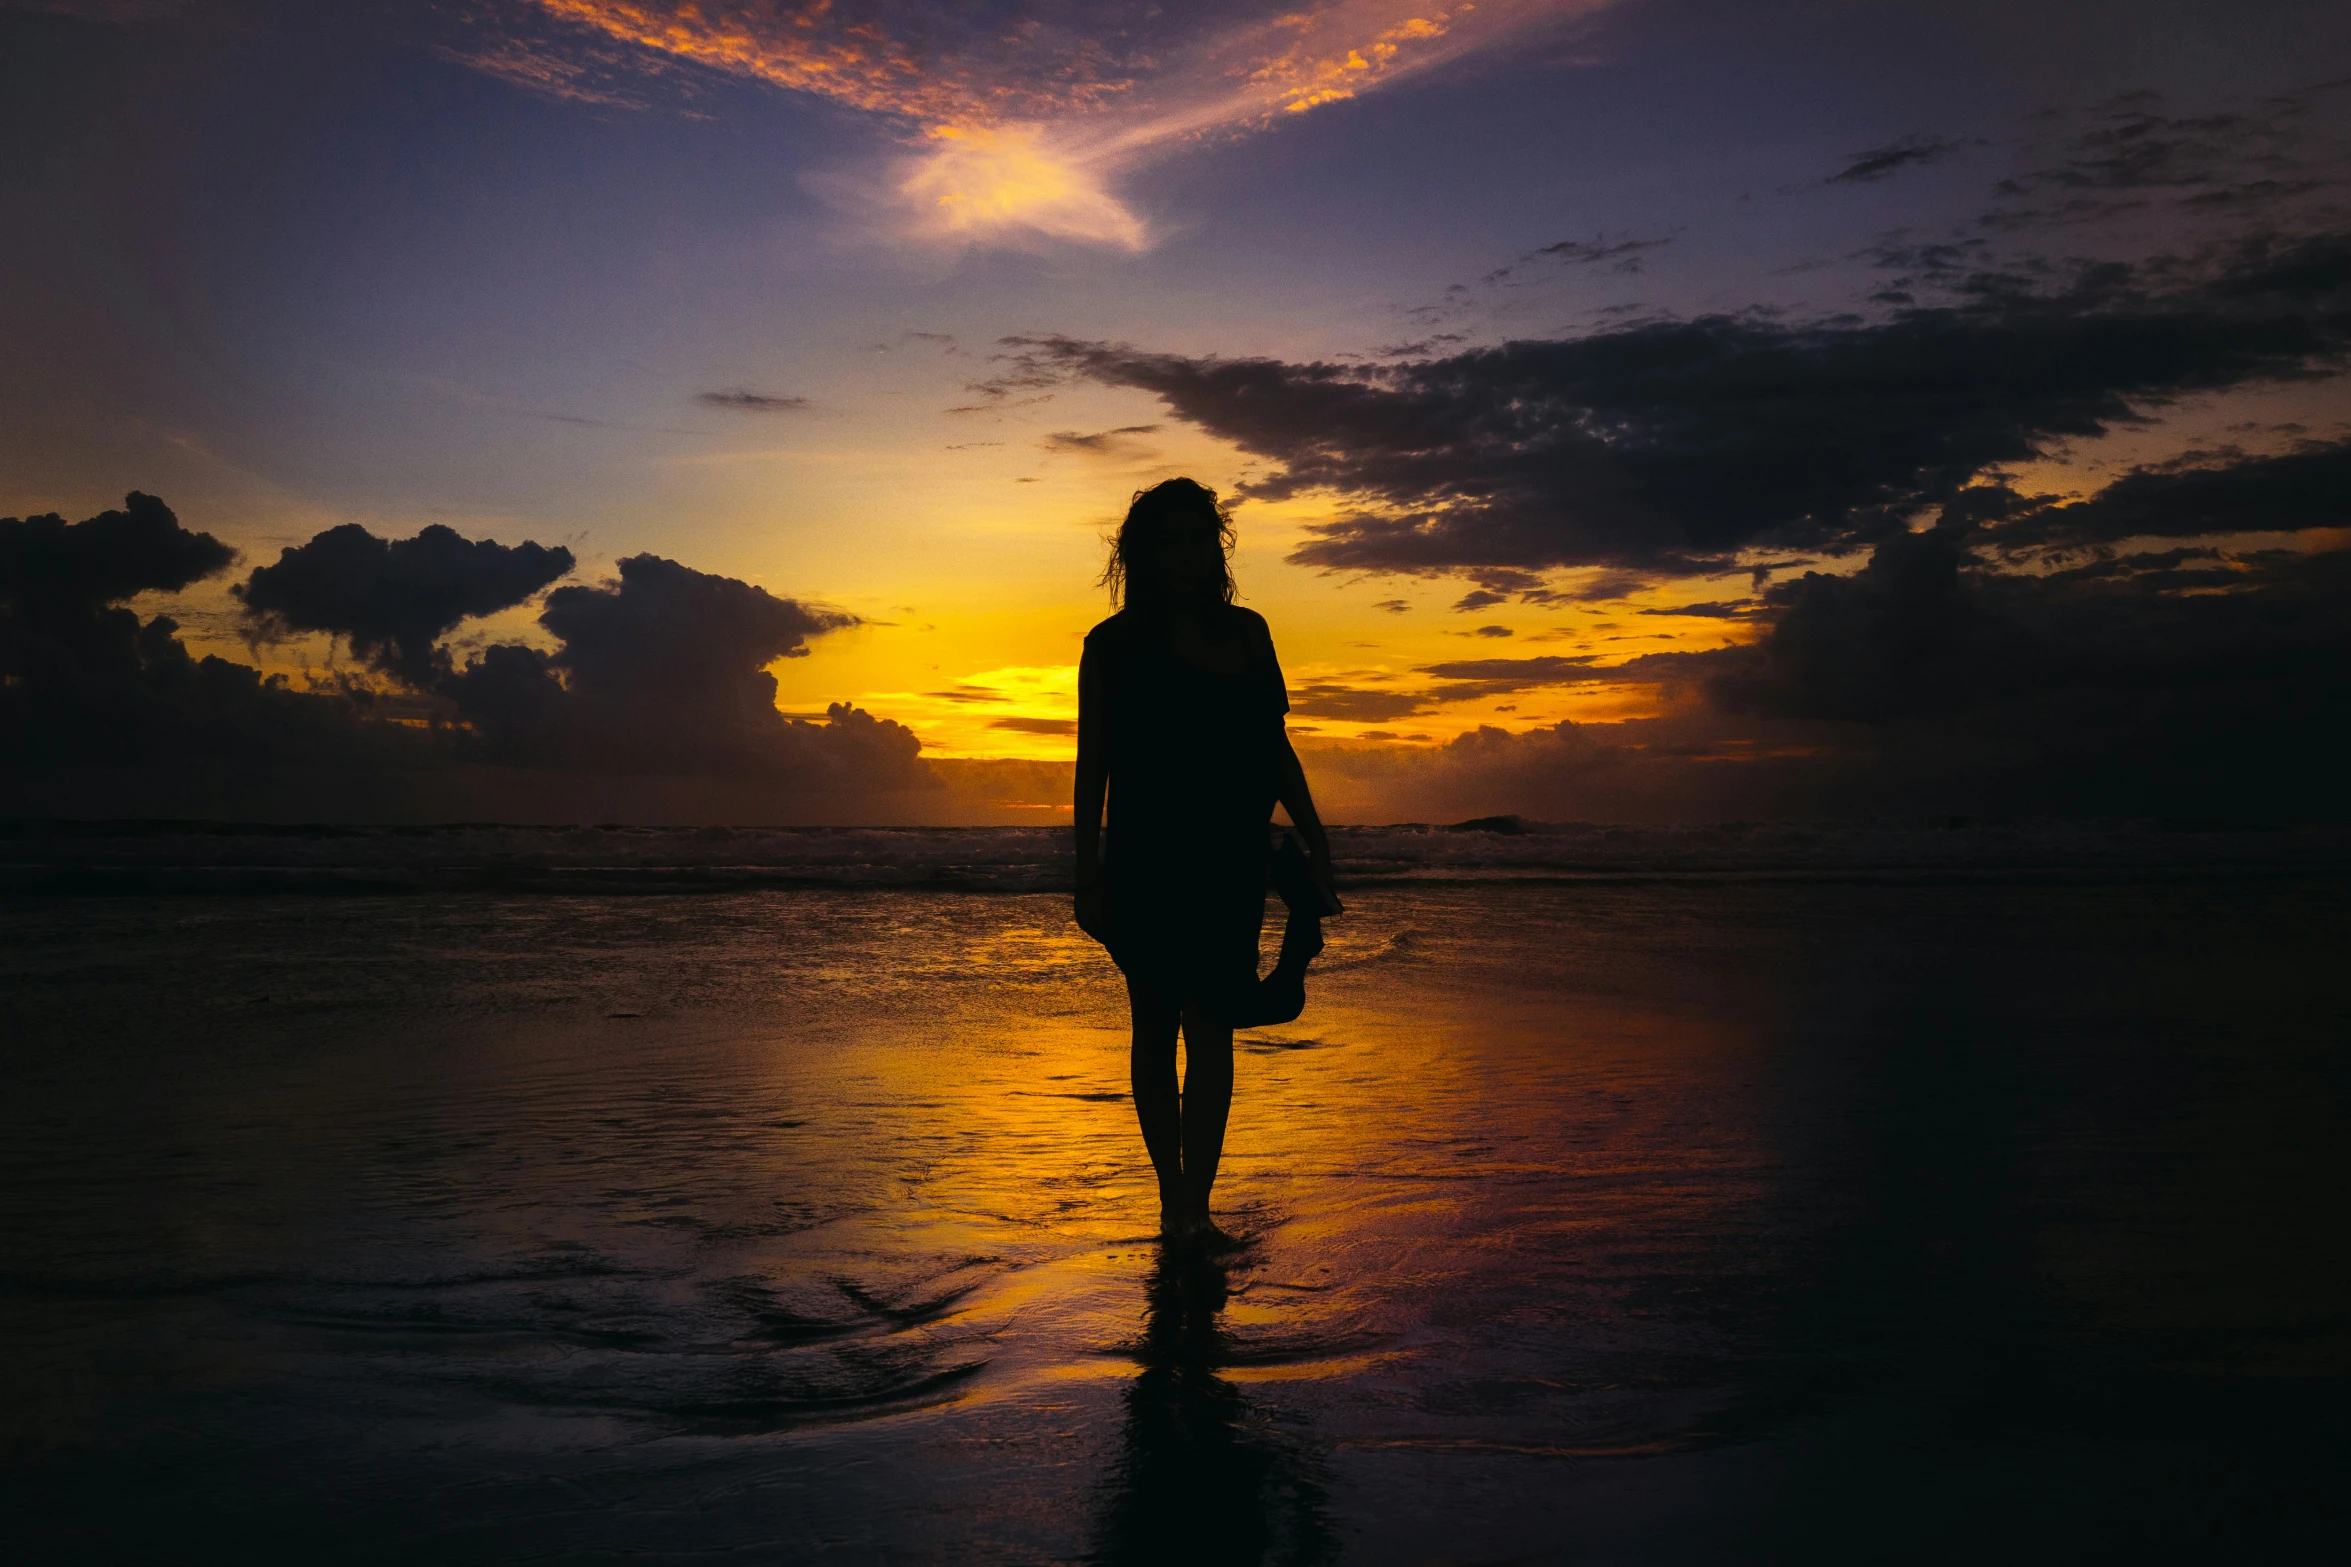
1022 116
743 400
1910 152
1119 445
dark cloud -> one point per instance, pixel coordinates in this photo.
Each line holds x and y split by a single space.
1420 346
654 704
1903 635
1723 609
2198 682
86 683
1685 767
2131 693
1518 674
1037 726
1459 680
1357 704
1925 628
394 599
49 566
1578 252
1468 678
1620 255
742 400
1670 446
2131 143
2202 494
1607 585
1393 606
2131 156
1120 442
661 670
2191 680
1911 152
1501 584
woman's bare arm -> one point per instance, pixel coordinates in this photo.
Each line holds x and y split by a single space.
1093 783
1298 800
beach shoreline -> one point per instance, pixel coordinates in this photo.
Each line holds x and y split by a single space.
1649 1218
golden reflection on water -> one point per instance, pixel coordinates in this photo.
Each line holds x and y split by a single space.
833 1204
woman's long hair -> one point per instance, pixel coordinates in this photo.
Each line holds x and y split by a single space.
1172 506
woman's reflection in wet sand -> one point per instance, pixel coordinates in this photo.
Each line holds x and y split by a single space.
1202 1477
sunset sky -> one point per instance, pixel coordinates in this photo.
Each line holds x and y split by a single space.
886 308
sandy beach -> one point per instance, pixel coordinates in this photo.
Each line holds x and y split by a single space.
1715 1219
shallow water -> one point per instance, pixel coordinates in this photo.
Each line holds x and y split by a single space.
1653 1221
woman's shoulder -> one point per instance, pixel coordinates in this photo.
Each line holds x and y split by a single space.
1128 629
1109 633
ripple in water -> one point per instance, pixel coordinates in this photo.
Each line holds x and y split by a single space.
1635 1221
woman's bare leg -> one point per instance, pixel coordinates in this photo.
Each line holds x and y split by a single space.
1158 1105
1208 1101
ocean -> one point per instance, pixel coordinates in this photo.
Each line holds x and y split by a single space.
1921 1192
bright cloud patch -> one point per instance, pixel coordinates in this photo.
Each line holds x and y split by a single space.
1026 113
975 181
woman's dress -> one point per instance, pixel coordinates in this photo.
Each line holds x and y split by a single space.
1192 758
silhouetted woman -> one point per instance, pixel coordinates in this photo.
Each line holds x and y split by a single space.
1180 705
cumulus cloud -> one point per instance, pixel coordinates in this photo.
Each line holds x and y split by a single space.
655 702
50 568
1672 446
394 599
663 670
84 682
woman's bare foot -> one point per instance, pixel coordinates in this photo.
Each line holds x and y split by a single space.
1174 1217
1196 1232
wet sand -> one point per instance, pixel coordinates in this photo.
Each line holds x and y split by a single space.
1672 1221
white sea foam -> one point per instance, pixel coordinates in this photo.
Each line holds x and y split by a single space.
217 858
